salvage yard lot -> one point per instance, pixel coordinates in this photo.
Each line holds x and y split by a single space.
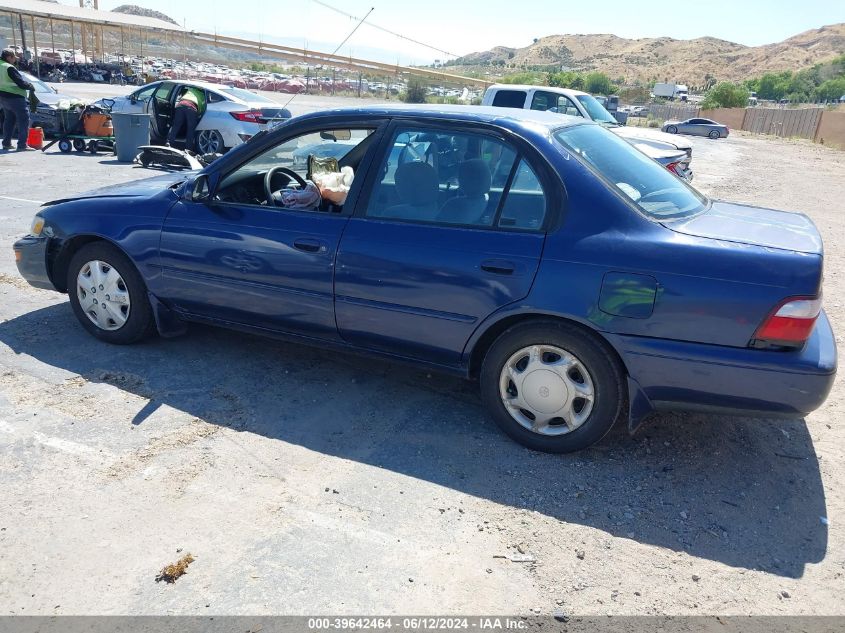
304 481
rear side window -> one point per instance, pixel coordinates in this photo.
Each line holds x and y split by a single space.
525 204
510 99
464 178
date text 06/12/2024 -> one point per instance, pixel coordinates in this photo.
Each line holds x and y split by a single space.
418 623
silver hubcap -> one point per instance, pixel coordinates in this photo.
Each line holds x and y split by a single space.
547 390
103 295
208 142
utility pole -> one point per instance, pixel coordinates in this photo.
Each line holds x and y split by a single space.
23 37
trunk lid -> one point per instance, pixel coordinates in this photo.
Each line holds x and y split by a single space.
757 226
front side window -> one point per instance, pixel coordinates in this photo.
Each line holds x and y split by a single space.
145 93
650 187
441 177
290 160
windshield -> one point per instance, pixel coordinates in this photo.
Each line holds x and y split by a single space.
656 192
243 95
596 110
40 86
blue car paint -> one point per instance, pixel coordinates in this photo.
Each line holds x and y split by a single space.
377 287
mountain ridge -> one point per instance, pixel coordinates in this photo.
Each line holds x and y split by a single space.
645 60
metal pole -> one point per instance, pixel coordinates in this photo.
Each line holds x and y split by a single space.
360 76
12 27
23 37
35 47
72 43
83 44
52 38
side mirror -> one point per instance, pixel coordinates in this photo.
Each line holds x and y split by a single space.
200 191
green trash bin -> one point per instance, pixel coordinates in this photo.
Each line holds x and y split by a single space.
130 132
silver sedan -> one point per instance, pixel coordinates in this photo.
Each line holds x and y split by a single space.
697 127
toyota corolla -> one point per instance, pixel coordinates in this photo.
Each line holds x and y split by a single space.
574 278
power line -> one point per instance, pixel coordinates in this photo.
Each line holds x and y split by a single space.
346 39
381 28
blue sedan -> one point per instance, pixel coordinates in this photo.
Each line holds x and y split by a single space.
574 278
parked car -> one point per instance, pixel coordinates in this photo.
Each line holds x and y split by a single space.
577 103
587 285
233 115
697 127
48 99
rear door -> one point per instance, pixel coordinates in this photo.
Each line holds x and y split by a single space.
436 248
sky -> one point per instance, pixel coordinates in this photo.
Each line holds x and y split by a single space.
464 26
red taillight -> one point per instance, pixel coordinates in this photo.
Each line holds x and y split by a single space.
790 324
250 116
677 168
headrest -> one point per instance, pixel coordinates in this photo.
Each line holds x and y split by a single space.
416 183
474 177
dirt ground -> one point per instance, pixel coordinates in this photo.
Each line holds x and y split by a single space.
303 481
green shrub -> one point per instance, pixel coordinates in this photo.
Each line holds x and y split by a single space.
415 92
725 95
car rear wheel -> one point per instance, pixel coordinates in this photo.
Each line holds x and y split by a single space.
209 142
108 296
714 134
672 129
551 386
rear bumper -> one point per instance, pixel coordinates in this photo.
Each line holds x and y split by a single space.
31 259
691 376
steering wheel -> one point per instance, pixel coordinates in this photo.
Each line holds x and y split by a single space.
268 181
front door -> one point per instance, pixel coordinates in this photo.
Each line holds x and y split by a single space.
238 259
162 109
439 245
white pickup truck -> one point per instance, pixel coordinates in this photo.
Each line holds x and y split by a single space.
672 151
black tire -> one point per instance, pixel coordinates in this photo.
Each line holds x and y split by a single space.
714 134
65 146
672 129
79 145
140 322
607 377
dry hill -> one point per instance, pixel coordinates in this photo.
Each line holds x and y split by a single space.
664 58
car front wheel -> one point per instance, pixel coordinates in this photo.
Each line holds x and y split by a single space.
552 386
108 295
714 134
672 129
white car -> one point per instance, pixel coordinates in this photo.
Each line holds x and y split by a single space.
232 115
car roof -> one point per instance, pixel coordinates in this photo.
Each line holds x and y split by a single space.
567 91
200 84
508 117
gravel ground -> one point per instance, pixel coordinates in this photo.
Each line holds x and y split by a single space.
309 482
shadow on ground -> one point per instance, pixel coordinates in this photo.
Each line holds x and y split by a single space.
742 492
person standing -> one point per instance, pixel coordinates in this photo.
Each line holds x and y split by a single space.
190 107
13 100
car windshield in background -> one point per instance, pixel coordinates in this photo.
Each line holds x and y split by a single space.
597 111
40 86
656 192
243 95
